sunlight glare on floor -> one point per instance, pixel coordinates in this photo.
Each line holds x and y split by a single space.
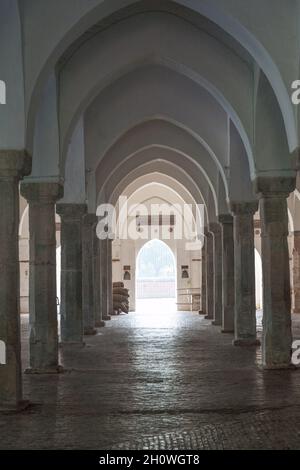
157 313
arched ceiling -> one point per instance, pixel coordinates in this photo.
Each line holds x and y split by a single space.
160 171
204 68
153 181
167 159
144 195
230 23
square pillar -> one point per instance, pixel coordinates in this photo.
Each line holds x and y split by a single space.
226 221
99 322
13 166
277 326
71 272
244 274
42 278
209 276
215 229
296 272
110 307
203 276
88 298
104 279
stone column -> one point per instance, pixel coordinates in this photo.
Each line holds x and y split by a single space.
296 272
42 277
99 322
215 229
203 277
13 166
71 272
226 221
88 298
110 308
209 276
244 274
277 334
103 277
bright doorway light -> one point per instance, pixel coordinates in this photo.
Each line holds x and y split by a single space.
156 273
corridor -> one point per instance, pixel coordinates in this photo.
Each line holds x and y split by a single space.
157 381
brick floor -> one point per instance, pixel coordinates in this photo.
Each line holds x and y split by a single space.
158 381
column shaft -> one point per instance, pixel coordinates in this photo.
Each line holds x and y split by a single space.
99 322
71 272
13 165
104 282
228 273
110 308
244 274
203 276
42 280
88 297
277 334
216 231
209 276
296 272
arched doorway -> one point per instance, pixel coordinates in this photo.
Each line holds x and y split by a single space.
258 289
258 280
155 274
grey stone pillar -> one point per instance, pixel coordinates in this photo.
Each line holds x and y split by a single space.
110 308
296 272
277 335
71 272
103 277
209 276
13 165
42 277
99 322
215 229
226 221
244 274
203 277
88 298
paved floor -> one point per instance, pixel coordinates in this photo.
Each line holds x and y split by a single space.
157 380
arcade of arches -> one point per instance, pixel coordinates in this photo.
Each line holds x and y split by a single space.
182 103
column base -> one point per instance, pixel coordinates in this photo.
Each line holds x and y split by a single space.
246 342
278 367
224 330
100 324
15 407
90 331
72 344
202 313
216 323
107 317
208 317
49 371
296 311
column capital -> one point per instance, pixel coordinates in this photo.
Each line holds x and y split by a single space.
71 211
247 207
90 219
276 186
214 227
225 219
14 163
44 192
